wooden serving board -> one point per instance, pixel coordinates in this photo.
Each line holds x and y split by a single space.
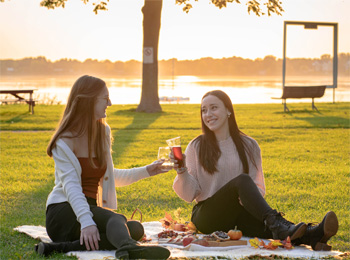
227 243
176 241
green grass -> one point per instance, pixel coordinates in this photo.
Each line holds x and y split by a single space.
305 161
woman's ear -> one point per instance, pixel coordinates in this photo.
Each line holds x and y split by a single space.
228 113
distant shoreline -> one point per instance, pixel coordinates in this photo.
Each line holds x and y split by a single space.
233 66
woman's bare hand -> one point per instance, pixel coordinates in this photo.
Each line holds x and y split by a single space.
90 237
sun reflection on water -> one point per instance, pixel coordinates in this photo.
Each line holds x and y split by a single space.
182 89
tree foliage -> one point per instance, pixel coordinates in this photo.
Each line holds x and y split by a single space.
272 6
254 6
52 4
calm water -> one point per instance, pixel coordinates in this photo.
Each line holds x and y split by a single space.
243 90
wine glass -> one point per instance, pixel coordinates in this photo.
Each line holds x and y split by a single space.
163 153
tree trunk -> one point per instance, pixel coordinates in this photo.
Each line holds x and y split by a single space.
151 26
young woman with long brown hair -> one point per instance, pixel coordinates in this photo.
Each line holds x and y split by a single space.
223 174
78 214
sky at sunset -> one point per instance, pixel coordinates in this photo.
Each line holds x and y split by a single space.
75 32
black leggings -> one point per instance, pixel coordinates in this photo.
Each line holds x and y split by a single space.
114 229
223 211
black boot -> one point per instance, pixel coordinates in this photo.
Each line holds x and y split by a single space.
317 235
46 249
282 228
135 251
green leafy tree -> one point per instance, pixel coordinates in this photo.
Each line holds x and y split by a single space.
151 27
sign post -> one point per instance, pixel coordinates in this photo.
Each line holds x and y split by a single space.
148 55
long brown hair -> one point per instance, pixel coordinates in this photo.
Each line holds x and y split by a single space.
209 151
78 118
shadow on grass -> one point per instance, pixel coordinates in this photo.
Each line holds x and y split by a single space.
301 111
317 118
132 111
16 119
326 121
140 122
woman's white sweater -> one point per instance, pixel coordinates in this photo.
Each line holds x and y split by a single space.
68 182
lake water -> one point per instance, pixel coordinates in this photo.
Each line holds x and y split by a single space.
127 90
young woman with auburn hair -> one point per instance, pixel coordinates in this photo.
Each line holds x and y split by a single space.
223 174
79 212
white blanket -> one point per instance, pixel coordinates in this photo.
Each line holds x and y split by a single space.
153 228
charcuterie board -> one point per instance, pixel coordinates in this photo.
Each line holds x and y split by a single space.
179 239
210 243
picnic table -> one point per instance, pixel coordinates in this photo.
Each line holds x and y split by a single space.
16 92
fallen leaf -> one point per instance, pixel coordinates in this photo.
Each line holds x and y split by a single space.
287 243
254 242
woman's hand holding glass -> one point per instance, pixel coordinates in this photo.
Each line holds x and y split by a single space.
157 167
177 165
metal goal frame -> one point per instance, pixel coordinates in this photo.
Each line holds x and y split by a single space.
314 25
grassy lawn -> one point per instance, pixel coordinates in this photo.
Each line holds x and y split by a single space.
305 161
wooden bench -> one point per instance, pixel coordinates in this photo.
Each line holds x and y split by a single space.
18 99
301 92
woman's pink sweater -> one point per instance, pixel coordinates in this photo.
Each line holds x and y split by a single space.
197 184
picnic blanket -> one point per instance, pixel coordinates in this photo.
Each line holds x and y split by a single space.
155 227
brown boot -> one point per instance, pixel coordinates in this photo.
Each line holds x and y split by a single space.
282 228
317 235
46 249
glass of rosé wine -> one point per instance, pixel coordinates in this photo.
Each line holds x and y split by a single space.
175 144
163 153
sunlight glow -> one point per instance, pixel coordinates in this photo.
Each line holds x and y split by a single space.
75 32
302 42
186 79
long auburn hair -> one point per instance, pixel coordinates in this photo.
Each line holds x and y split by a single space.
78 118
209 151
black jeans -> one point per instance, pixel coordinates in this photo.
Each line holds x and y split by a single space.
223 211
114 229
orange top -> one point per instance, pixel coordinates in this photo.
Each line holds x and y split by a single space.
90 177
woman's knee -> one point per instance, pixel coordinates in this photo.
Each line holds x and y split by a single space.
116 219
136 229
